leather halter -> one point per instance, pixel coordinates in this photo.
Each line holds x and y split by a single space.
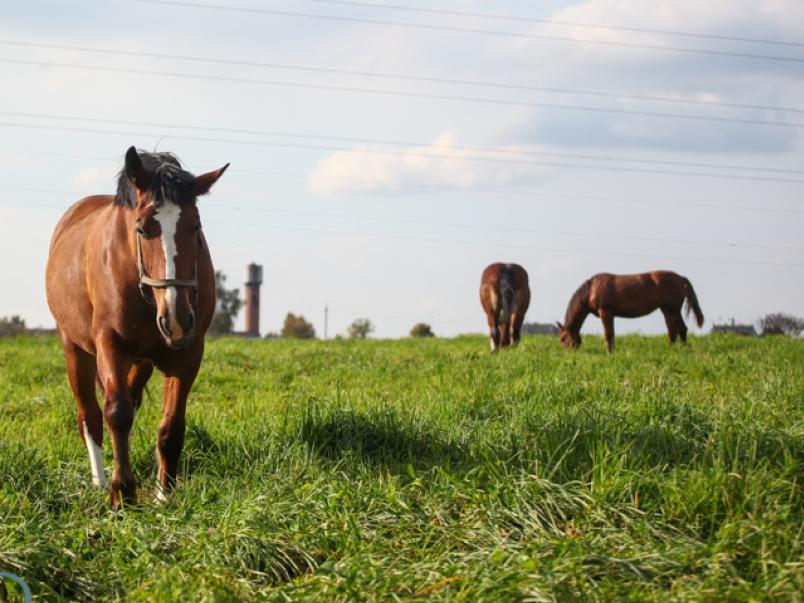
162 283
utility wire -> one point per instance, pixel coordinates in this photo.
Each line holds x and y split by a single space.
408 94
483 227
508 228
495 244
374 141
526 194
441 156
397 76
431 27
509 245
522 19
548 194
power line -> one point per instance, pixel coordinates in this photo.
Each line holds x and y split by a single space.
506 245
483 227
408 94
486 227
522 19
429 79
605 168
551 195
730 208
443 188
473 149
494 244
511 245
431 27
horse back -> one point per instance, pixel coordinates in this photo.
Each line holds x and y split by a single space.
632 295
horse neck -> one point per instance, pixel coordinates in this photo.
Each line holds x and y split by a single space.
576 315
123 237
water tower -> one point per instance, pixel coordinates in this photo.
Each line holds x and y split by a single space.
253 282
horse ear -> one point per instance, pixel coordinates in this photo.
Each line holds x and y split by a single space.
204 182
135 171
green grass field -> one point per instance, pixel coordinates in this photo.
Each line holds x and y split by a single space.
425 470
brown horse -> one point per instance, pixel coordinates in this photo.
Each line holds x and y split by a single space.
505 297
630 295
131 285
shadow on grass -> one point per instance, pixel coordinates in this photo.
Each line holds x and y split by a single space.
383 437
568 444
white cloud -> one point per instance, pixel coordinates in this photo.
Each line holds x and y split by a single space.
646 72
419 168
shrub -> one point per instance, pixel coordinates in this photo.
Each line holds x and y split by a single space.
360 329
781 324
298 327
227 306
12 326
422 329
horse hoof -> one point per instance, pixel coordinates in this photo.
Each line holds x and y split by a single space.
160 496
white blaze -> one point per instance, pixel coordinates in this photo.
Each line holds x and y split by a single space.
95 459
168 217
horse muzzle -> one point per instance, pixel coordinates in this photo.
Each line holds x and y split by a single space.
177 332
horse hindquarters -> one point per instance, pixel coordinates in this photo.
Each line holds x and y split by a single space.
675 324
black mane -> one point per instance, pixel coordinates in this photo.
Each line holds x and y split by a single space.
167 181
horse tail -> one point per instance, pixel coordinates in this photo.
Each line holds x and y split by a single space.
507 291
692 303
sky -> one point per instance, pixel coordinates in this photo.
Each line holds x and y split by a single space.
382 156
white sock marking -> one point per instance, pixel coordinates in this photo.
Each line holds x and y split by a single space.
161 496
95 460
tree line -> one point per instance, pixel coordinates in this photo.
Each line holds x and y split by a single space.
296 326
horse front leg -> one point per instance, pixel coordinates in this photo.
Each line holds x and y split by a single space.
607 318
82 371
137 380
170 436
118 410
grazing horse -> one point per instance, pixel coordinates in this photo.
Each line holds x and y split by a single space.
505 297
131 285
630 295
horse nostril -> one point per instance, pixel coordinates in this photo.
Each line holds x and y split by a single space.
164 326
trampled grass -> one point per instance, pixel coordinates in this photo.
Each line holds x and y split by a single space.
425 470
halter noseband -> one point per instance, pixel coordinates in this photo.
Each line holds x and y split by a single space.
162 283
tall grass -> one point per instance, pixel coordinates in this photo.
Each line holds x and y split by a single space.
425 470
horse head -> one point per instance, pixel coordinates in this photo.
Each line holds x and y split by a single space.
569 339
167 233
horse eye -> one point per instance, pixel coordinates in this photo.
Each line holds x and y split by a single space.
197 228
139 230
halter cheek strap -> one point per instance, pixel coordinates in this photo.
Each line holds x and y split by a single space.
162 283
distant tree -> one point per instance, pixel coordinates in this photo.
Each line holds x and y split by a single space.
422 329
11 326
227 306
298 327
781 324
360 329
